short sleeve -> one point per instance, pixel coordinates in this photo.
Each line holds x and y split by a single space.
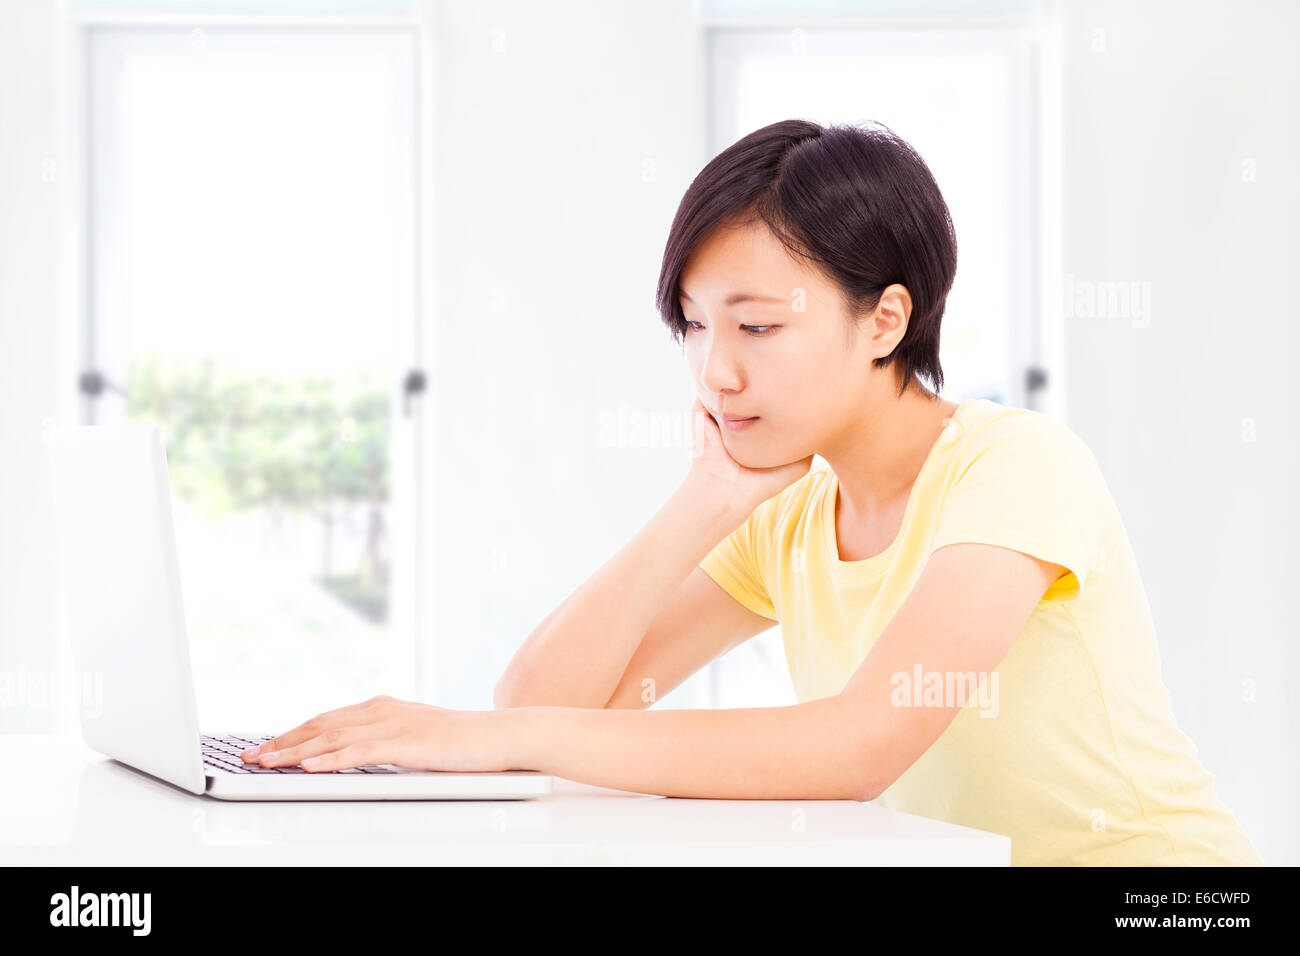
1030 484
733 564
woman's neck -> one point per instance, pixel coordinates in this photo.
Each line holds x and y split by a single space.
877 460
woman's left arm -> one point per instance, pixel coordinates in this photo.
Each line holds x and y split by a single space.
804 751
965 611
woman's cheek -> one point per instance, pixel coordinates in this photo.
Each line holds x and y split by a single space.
692 360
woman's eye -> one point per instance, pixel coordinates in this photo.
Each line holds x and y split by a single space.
754 330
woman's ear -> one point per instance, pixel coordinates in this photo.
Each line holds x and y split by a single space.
890 319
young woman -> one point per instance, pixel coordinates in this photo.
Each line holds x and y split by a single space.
963 618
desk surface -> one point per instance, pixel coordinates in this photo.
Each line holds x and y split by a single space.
63 804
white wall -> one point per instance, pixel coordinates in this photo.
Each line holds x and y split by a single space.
545 214
29 346
1157 128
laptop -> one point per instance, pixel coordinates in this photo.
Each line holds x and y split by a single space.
119 585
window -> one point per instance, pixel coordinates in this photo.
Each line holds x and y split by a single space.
251 287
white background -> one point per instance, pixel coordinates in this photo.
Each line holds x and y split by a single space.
548 248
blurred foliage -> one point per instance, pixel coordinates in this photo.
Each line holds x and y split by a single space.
353 591
239 441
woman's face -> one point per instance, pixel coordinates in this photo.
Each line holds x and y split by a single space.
789 355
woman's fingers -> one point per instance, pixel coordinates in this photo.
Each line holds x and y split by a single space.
353 755
329 742
701 423
311 728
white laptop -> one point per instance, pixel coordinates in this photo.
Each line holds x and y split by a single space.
120 586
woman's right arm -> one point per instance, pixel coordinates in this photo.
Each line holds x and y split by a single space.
577 656
650 590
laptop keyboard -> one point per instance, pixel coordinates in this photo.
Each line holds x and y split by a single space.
221 754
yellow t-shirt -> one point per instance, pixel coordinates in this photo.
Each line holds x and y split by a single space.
1083 762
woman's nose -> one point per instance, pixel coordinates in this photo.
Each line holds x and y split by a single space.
718 370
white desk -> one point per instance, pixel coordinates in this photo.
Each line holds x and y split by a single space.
63 804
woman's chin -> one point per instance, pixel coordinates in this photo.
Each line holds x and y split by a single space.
757 458
748 461
752 458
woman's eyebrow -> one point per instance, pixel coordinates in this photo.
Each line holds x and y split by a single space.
737 297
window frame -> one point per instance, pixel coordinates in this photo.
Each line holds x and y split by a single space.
411 607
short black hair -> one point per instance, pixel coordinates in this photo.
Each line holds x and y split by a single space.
856 200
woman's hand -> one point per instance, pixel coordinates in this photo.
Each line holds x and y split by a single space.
386 730
716 471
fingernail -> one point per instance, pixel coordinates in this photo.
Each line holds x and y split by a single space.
271 755
249 752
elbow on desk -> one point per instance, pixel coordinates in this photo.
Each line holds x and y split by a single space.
867 794
873 763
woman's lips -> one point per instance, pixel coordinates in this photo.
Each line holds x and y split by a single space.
739 424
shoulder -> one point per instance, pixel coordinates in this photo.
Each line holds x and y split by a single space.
1023 460
1029 437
